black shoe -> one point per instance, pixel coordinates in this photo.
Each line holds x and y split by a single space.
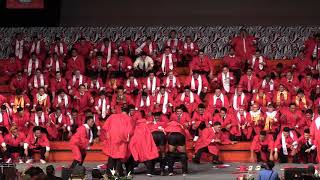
217 162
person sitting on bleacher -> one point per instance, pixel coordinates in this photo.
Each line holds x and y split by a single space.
14 144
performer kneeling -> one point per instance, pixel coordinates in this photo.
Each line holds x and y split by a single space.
34 142
14 141
209 142
177 146
262 146
80 142
308 152
286 144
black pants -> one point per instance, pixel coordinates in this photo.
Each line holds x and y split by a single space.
307 157
115 164
130 164
159 138
176 157
263 149
198 154
14 149
83 157
284 158
176 139
39 148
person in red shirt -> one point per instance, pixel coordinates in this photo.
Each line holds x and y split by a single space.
189 47
291 116
262 146
95 85
302 64
286 145
19 82
57 83
226 81
32 65
268 84
307 148
240 99
209 141
42 99
132 85
84 47
272 120
282 97
12 67
102 105
128 47
227 120
53 64
5 116
201 63
14 144
166 61
59 125
76 62
291 83
261 98
163 101
58 47
200 120
38 47
99 66
234 63
19 46
35 141
189 99
173 42
172 84
107 48
62 101
119 100
19 100
36 81
217 101
258 63
120 65
244 44
249 82
144 103
198 84
308 84
242 130
21 120
302 101
149 47
312 47
81 141
77 80
82 99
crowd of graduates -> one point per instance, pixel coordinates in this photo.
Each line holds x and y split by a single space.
120 93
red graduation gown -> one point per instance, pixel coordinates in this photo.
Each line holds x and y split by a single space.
128 49
249 84
84 49
197 118
290 85
315 134
117 103
218 104
75 63
257 144
58 84
205 140
83 102
191 106
22 122
105 50
159 125
56 124
290 119
55 48
15 142
200 64
79 141
30 140
143 150
116 140
244 47
125 65
289 141
16 83
233 62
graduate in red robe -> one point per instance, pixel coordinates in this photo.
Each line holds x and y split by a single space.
38 47
189 47
151 83
235 63
227 120
308 84
119 100
19 82
243 129
262 99
209 142
59 47
84 47
5 116
257 120
36 81
120 65
291 83
290 116
200 63
281 97
157 123
12 67
217 101
82 99
263 146
302 64
198 84
200 120
81 141
53 64
249 82
128 47
268 85
144 151
62 101
77 80
132 85
312 47
307 148
36 141
19 100
107 47
244 44
225 80
40 118
239 99
76 62
163 101
182 118
144 103
57 83
117 140
41 99
59 125
99 65
149 47
102 105
21 120
75 120
19 46
188 99
166 61
286 145
95 85
258 64
302 101
172 84
14 144
272 120
315 134
173 42
32 65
